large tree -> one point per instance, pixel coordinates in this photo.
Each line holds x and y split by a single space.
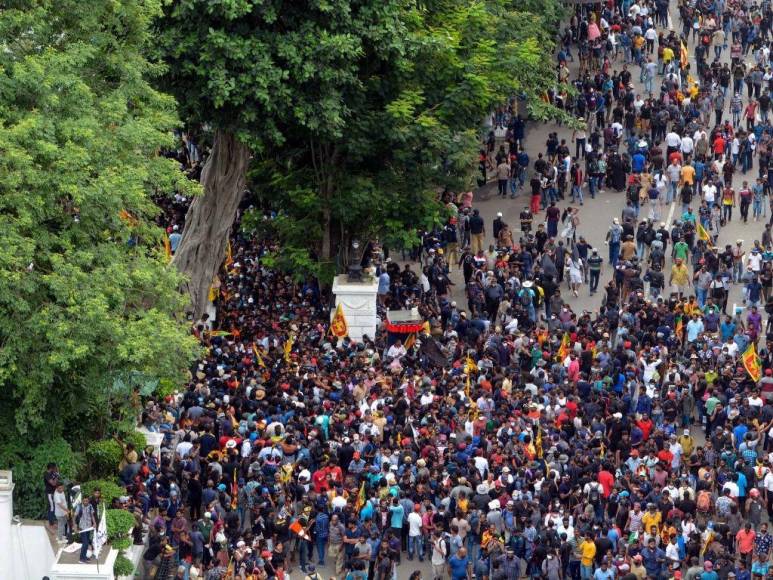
89 305
354 111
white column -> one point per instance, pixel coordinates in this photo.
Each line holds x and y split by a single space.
6 516
359 304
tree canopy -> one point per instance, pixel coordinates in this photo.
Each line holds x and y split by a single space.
91 312
356 111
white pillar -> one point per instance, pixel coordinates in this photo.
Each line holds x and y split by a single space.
359 304
6 517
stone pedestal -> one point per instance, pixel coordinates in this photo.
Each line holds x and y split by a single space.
7 568
359 304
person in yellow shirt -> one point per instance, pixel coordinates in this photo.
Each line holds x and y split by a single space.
587 554
668 56
688 175
651 518
680 277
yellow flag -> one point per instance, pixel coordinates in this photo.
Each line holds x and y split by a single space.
469 368
751 362
360 499
229 257
288 347
258 358
338 326
410 341
167 248
538 443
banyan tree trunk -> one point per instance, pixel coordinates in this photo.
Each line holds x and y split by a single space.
210 217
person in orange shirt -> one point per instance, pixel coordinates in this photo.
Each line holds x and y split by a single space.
719 147
745 542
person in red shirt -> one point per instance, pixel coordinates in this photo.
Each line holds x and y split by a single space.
607 481
320 481
571 408
645 424
719 147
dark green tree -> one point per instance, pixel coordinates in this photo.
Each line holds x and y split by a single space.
88 302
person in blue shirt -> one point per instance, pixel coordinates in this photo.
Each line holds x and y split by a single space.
458 564
174 238
397 513
321 533
727 329
753 292
637 162
653 558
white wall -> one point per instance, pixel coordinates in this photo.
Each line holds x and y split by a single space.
32 551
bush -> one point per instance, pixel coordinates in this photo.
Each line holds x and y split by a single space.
103 457
119 522
29 463
123 566
110 489
137 439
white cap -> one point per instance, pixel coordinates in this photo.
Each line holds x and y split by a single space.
499 214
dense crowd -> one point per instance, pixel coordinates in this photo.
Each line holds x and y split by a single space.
514 436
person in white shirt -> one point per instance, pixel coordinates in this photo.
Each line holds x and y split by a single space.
673 140
672 551
397 350
687 145
710 194
415 543
61 512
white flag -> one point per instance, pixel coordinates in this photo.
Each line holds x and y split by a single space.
100 537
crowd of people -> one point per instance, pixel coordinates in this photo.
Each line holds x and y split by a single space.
530 440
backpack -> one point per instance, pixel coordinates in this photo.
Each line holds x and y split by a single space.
614 235
525 297
704 501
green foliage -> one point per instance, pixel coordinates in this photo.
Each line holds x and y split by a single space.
123 566
119 522
121 543
110 489
359 113
29 463
87 299
103 457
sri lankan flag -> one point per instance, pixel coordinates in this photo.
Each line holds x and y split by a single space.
563 350
229 256
751 362
167 248
258 358
703 234
679 328
538 443
361 499
288 347
469 368
338 326
683 55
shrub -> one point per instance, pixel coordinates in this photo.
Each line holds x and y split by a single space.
110 489
119 522
29 463
123 566
103 457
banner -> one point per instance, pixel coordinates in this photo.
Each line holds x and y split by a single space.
751 362
100 536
